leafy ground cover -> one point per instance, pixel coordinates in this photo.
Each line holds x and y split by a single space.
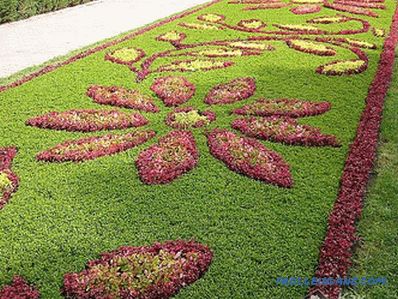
65 214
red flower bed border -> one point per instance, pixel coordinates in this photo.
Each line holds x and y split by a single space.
19 289
337 249
7 155
53 67
306 9
192 270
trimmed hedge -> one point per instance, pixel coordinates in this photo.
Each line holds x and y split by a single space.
14 10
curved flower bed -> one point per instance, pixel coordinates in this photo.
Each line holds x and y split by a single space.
152 272
88 120
173 91
122 97
231 92
284 130
19 289
174 155
311 47
9 181
188 117
94 147
306 9
126 56
249 157
284 107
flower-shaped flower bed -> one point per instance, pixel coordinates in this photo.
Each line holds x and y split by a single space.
122 97
284 107
19 289
174 155
188 117
8 179
125 56
173 91
152 272
93 147
231 92
88 120
284 130
249 157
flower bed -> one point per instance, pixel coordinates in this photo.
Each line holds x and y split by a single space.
157 271
19 289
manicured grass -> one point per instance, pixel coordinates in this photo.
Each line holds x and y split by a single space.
378 251
66 214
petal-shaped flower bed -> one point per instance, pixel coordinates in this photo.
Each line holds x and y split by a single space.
306 9
122 97
351 9
271 5
231 92
87 120
93 147
343 67
151 272
19 289
173 90
172 36
212 18
284 130
200 26
249 157
250 45
307 29
328 19
360 43
378 32
174 155
125 56
311 47
195 65
364 4
223 52
284 107
8 180
188 117
252 24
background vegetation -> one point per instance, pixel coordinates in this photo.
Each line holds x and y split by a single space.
14 10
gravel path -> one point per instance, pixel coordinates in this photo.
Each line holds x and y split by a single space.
38 39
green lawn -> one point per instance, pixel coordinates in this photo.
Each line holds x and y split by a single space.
66 214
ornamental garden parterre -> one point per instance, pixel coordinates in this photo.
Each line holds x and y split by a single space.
229 124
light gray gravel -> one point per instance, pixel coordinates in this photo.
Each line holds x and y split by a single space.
36 40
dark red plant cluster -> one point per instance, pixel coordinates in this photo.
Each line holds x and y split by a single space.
306 9
231 92
90 148
363 67
88 120
111 57
9 181
106 45
324 52
201 119
173 91
249 157
351 9
19 289
152 272
336 252
174 155
285 130
122 97
284 107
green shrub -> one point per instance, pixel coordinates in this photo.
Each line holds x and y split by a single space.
14 10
